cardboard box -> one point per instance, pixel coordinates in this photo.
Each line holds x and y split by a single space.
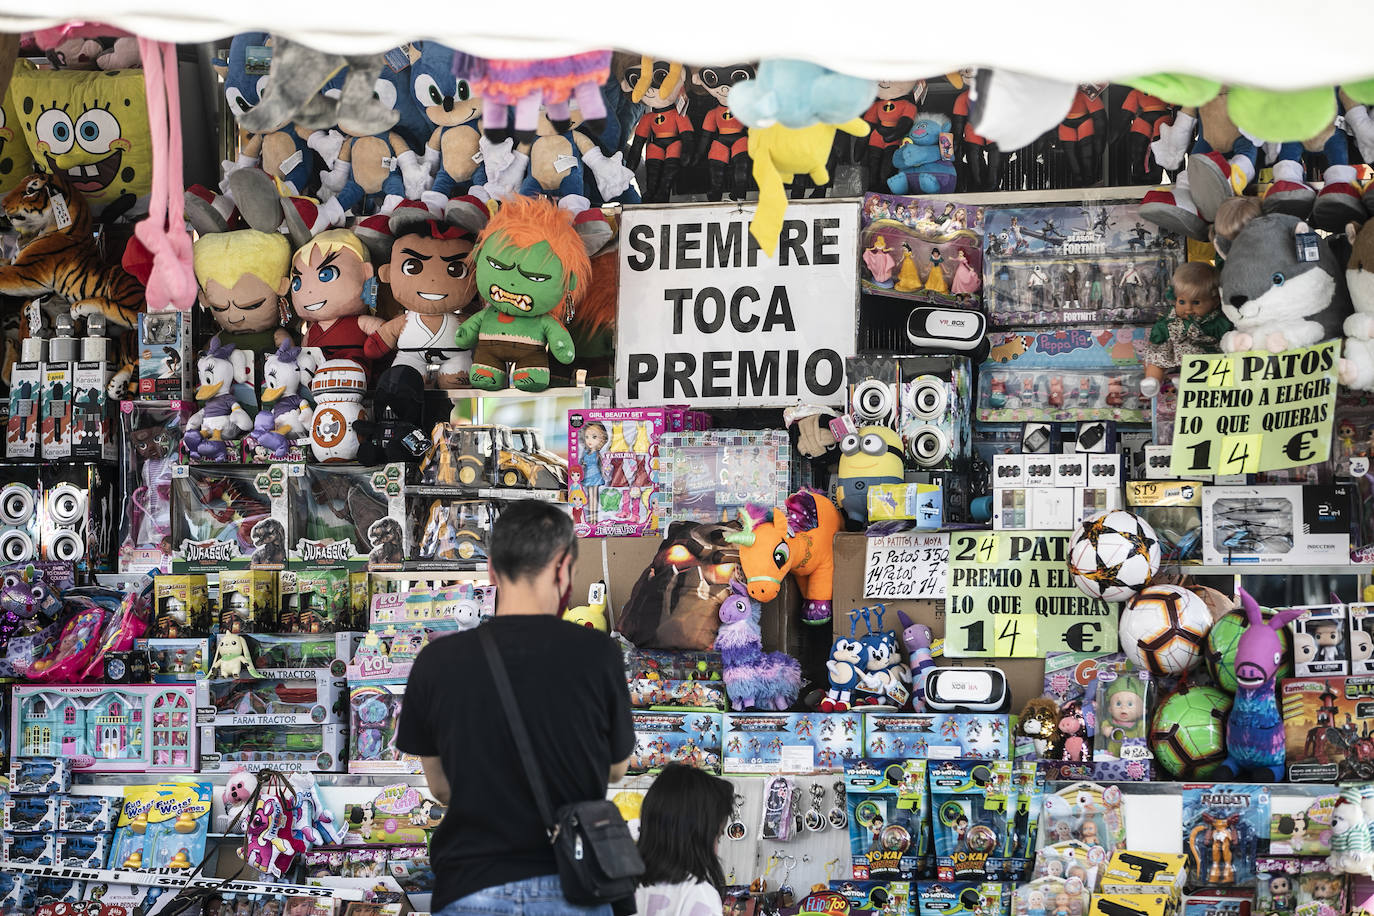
1008 471
25 417
1324 721
1173 508
289 748
1277 525
773 742
93 418
666 736
937 736
271 702
55 404
164 356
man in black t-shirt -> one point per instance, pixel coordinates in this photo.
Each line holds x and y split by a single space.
491 853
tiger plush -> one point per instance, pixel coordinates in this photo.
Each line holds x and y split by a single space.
64 259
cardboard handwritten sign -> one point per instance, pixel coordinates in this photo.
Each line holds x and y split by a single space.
907 566
1010 595
1240 413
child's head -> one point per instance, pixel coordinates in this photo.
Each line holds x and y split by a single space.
1232 216
1197 289
680 824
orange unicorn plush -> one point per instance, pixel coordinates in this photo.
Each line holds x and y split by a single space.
798 539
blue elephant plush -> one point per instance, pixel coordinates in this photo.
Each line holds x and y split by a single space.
922 166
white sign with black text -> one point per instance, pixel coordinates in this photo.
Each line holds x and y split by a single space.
913 565
706 318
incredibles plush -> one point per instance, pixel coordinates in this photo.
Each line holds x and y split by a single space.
92 127
723 141
663 129
890 118
793 109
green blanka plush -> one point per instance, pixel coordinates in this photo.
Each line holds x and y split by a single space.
531 267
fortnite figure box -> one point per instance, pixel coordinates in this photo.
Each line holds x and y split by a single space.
783 742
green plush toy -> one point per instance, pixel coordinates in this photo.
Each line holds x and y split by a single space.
531 267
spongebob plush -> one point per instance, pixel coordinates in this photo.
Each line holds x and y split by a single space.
16 162
93 127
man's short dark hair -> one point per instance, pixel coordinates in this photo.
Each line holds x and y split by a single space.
527 537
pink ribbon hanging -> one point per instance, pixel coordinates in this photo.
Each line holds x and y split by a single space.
171 281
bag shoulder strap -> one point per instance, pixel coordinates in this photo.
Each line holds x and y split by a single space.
517 729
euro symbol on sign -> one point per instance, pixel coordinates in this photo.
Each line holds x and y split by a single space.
1296 448
1076 637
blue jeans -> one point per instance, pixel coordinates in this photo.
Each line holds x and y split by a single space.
542 896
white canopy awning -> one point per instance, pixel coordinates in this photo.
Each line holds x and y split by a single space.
1273 44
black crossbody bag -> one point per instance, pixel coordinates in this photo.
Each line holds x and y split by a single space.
598 861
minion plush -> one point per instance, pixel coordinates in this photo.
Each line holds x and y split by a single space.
872 455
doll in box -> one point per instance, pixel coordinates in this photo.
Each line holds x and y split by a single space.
1195 325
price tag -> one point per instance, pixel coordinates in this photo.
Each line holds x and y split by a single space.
1015 635
1309 247
1240 454
563 164
969 635
60 214
289 164
1222 373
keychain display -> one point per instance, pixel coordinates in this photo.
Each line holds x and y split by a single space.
779 796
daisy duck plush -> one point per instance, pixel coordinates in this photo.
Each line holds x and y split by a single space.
286 408
221 418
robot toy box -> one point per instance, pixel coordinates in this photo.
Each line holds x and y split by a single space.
347 516
1328 726
228 518
922 249
889 825
945 736
972 816
108 729
710 476
789 742
663 737
612 460
1070 374
1094 263
1223 825
288 748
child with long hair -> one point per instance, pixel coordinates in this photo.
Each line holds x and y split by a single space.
680 825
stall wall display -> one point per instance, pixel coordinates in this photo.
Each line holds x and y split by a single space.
922 249
696 272
711 476
1067 265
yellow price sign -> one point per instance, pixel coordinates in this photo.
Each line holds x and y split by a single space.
1222 373
1240 454
1014 635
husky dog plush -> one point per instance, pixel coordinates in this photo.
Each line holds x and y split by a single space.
1357 369
1276 300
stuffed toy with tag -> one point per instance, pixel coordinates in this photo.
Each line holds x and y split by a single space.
531 268
1339 200
1146 115
221 417
573 166
93 128
287 405
328 277
722 140
1357 368
16 161
662 133
793 109
454 110
890 119
58 254
920 159
1281 287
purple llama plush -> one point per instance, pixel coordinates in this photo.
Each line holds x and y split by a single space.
754 679
1254 731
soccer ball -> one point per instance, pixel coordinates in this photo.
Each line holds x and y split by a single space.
1113 555
1188 735
1163 628
1220 650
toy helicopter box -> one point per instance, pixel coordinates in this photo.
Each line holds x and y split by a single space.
347 516
663 737
789 742
1276 525
936 736
1085 263
1328 726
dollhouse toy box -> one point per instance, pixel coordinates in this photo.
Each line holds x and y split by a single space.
108 729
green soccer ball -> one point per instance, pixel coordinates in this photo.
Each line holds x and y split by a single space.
1188 735
1220 652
